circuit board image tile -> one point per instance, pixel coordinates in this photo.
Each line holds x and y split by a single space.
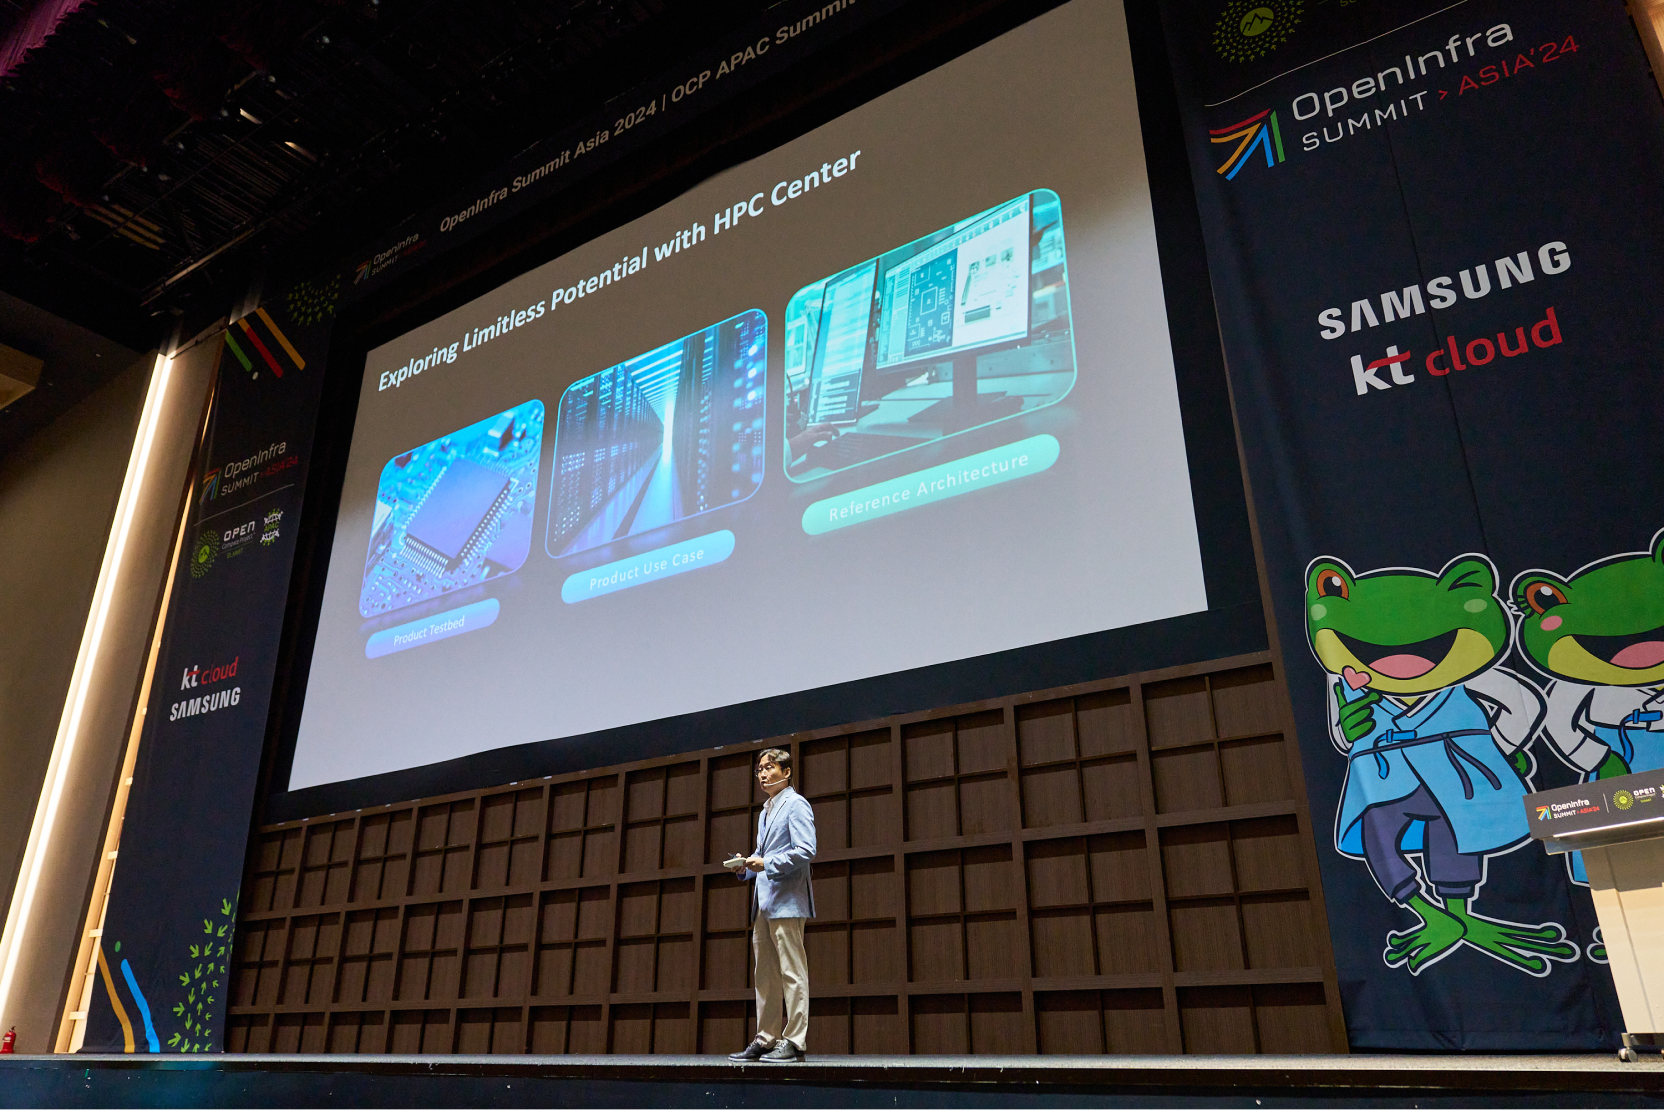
454 512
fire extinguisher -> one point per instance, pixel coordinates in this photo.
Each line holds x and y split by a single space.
9 1041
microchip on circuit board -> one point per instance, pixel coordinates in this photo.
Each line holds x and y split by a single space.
453 519
453 511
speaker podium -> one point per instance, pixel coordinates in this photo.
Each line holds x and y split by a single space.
1618 826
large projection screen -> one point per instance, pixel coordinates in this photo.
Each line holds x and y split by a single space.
897 393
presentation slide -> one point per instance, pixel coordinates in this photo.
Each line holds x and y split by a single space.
898 393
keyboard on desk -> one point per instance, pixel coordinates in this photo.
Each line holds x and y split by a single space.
854 447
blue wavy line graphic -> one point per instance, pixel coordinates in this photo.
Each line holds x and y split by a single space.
144 1007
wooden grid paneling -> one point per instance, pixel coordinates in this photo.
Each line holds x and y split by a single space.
1123 866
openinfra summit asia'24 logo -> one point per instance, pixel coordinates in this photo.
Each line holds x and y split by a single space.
1247 31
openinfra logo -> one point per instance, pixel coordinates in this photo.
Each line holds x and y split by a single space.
210 486
1542 813
1256 133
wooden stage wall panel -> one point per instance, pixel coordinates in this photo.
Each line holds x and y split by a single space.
1123 866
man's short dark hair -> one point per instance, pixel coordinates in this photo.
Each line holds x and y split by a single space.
780 756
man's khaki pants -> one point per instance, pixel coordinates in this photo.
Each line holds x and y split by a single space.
782 979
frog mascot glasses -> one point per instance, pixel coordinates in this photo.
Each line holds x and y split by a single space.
1435 735
1599 637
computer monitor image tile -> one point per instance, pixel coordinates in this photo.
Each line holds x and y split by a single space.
454 512
952 331
661 437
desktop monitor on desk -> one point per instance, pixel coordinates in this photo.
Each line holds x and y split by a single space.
840 353
916 344
803 316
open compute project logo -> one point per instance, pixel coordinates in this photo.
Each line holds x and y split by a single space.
204 551
1623 799
1248 30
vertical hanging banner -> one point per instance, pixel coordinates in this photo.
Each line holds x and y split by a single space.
162 981
1436 235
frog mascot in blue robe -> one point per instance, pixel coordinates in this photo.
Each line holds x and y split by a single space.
1434 733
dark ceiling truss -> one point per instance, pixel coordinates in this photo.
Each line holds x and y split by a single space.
164 146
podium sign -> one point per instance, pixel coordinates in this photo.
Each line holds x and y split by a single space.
1606 811
1618 825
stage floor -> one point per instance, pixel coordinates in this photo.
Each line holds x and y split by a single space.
1176 1081
1511 1071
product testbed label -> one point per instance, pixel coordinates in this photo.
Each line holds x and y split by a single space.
440 626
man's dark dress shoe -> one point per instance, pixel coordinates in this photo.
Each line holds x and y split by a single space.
752 1051
783 1052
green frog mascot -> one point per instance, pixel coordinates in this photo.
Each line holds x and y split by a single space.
1598 635
1434 733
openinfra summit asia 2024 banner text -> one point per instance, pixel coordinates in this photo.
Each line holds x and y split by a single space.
1435 235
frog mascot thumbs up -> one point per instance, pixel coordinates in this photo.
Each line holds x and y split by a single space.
1435 735
1599 636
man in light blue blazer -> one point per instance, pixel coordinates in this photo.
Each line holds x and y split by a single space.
781 900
